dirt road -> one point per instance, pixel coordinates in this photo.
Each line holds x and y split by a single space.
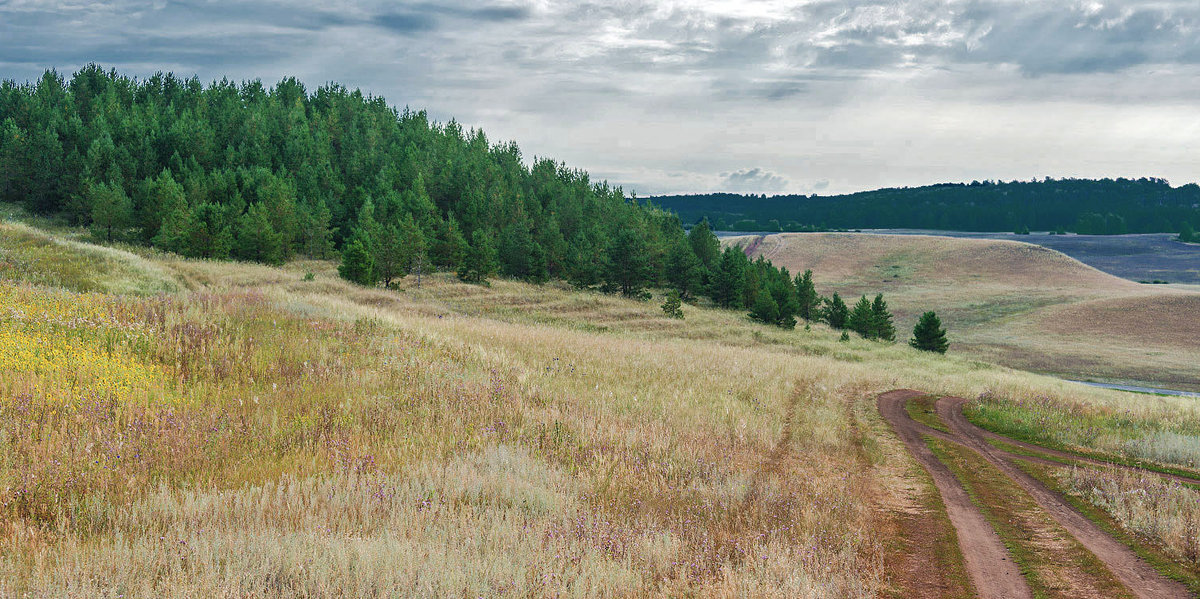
988 564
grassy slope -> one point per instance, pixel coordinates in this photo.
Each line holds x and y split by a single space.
257 433
1012 303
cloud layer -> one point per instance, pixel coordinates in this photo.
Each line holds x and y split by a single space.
683 95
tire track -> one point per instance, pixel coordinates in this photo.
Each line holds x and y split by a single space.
988 563
1141 578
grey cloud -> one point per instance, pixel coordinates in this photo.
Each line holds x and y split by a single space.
423 17
753 180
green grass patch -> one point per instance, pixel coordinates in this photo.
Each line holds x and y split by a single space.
1107 436
28 255
1153 554
921 409
1025 528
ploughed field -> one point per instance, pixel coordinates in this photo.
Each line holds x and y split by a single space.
173 427
1012 303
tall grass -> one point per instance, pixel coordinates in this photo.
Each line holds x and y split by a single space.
267 435
1163 511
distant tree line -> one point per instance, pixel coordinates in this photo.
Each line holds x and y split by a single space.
1098 207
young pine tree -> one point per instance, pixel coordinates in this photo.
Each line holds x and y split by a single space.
1186 234
111 210
765 309
480 260
881 320
929 335
806 295
358 266
672 306
836 312
860 320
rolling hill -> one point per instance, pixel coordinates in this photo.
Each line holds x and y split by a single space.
1014 303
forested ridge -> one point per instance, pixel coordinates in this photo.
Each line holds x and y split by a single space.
240 170
1105 206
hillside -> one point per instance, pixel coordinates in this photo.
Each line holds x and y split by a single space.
1010 302
179 427
1107 206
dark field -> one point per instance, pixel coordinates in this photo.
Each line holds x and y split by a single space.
1146 257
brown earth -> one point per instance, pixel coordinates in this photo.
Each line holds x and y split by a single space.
1137 575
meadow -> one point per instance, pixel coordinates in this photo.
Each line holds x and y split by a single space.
182 427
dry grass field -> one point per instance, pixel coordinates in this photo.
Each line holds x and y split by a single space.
193 428
1012 303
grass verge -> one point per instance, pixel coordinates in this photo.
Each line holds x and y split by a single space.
1156 556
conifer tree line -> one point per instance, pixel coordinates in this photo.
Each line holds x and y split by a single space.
240 170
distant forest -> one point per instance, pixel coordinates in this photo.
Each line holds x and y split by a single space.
1097 207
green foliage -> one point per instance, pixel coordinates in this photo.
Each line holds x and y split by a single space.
729 278
585 262
929 335
479 262
860 318
881 320
111 210
1186 234
685 272
320 167
836 313
808 302
765 309
626 265
673 306
358 265
256 239
1104 206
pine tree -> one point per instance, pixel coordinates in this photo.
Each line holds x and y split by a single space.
881 320
929 335
480 260
684 270
111 210
626 267
836 312
707 249
672 306
358 266
860 320
583 268
255 238
729 278
765 310
390 255
449 246
807 298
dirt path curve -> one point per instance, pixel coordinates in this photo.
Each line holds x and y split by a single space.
1141 579
988 563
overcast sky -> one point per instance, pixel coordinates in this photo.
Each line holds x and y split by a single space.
707 95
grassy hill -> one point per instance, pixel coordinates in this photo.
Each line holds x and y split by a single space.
1009 302
190 427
